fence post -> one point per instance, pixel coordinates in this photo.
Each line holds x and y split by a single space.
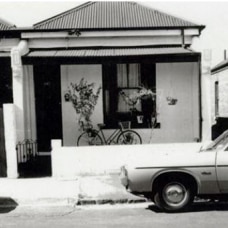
55 145
10 140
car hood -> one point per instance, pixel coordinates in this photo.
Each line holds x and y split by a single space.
166 155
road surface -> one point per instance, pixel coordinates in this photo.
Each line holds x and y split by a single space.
127 216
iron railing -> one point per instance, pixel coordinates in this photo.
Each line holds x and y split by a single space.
26 150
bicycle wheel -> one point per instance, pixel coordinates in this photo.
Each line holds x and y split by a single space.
129 137
89 138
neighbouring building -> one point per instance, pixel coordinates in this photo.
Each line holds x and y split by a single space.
220 99
119 46
6 95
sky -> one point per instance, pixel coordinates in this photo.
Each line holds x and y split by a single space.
212 14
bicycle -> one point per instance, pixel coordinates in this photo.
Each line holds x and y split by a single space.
93 137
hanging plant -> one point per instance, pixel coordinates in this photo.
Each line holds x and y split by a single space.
84 100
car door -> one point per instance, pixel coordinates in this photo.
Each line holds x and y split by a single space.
222 168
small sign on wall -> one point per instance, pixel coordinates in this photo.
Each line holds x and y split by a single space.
171 100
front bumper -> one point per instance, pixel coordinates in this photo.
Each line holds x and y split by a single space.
124 177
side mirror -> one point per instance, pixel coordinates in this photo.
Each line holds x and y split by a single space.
219 147
205 145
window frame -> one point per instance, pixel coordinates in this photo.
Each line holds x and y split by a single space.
109 74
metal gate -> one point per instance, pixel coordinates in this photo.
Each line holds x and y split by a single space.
30 162
26 157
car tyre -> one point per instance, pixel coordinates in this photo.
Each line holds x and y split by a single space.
174 195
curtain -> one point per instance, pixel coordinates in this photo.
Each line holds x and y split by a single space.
128 80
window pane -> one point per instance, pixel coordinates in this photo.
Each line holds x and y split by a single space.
128 75
134 75
122 75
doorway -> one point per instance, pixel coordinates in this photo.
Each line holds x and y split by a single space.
48 105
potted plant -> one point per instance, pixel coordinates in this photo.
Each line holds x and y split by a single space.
84 100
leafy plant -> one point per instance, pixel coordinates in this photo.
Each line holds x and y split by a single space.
84 100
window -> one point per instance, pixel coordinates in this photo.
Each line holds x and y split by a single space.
128 82
122 84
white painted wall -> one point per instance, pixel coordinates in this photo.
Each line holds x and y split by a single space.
180 122
222 78
121 33
74 73
6 44
177 80
107 41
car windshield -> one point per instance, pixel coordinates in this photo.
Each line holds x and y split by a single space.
221 140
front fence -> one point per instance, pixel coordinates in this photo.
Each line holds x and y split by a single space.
26 151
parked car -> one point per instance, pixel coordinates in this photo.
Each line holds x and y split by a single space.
172 179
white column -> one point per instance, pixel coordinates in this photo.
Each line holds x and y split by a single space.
10 140
18 86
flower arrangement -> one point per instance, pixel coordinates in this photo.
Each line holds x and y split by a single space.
133 98
84 100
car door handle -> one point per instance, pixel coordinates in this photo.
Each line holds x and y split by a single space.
206 173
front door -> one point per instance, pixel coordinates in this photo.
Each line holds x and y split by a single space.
48 105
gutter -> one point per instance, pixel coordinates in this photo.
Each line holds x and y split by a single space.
33 29
217 69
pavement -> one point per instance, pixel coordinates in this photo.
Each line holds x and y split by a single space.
83 190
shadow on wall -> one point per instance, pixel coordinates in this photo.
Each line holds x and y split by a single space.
2 147
3 172
7 205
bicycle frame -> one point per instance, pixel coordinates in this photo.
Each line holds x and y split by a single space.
111 138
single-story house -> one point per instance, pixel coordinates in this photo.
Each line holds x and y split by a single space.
120 46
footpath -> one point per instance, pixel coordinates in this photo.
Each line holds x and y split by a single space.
86 190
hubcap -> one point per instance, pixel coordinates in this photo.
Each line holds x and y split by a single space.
174 194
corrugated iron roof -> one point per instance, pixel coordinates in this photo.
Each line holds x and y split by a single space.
114 52
5 25
112 15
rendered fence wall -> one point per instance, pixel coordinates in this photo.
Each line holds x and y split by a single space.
10 140
70 162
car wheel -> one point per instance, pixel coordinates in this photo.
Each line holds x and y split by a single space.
174 196
157 200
